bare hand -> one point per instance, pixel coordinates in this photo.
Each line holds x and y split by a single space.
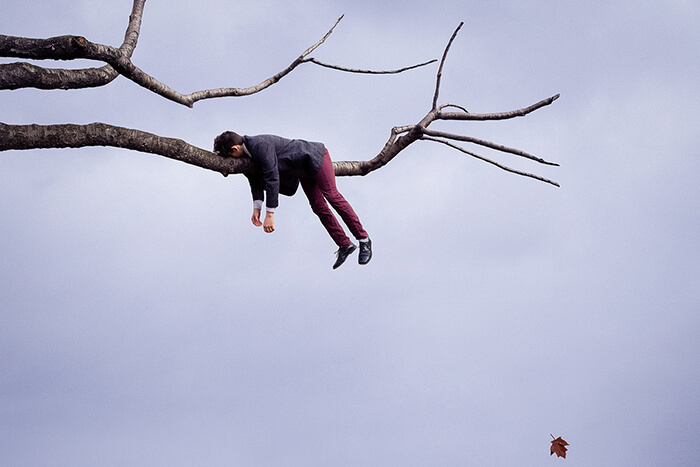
256 218
269 224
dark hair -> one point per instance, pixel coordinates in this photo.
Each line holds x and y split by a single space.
223 142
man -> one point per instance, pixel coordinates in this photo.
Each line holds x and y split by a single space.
283 164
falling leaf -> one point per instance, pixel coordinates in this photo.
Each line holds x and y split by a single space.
558 447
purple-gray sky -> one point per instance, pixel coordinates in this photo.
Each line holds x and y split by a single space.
145 321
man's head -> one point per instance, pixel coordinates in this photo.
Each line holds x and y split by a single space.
229 144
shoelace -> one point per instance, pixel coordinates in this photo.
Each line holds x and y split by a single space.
349 249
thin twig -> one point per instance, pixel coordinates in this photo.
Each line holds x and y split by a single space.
488 144
500 166
442 63
498 115
369 72
323 39
444 106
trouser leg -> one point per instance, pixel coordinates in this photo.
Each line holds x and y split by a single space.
324 213
325 181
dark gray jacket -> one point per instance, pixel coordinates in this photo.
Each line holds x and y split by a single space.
282 163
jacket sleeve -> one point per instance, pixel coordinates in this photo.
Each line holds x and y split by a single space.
266 156
257 186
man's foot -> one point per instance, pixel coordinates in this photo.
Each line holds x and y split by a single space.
365 252
343 253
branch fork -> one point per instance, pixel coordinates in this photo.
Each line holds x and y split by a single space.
401 137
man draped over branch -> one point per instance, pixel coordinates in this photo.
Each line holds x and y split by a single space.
272 164
284 164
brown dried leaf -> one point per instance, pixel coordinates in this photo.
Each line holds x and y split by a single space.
558 447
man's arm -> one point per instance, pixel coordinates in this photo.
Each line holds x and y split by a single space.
257 190
264 154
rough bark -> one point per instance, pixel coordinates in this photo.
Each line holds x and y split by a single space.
102 134
25 75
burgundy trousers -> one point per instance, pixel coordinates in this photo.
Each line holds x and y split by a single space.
322 188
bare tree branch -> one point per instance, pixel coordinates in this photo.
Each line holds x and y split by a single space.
444 106
488 144
442 64
411 133
100 134
24 137
507 169
402 137
16 75
323 39
25 75
497 115
369 72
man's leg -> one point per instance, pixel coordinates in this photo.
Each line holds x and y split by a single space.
324 213
321 209
325 182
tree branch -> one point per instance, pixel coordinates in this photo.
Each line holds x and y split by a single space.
444 106
25 137
25 75
17 75
442 63
498 115
411 133
100 134
507 169
488 144
369 72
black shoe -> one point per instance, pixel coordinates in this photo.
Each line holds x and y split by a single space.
343 253
365 252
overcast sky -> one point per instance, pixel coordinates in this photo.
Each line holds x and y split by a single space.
145 321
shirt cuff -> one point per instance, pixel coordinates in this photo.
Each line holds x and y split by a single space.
257 204
268 209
